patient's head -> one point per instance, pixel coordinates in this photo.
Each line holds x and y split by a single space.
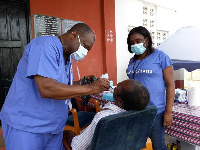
131 95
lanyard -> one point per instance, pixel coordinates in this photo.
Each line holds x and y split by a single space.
135 68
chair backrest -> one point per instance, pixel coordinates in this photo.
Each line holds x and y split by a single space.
124 131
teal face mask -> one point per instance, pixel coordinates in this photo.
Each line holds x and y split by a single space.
138 49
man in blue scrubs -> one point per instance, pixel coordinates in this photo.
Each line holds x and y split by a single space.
35 110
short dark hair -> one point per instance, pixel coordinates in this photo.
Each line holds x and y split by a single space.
134 96
143 31
82 29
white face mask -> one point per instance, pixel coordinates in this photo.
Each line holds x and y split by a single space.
80 53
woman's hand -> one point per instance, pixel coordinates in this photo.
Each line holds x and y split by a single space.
168 119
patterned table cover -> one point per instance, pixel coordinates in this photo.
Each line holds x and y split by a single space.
99 98
186 123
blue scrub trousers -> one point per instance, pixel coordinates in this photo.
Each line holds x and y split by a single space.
157 134
20 140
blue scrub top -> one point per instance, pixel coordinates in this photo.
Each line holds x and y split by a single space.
24 108
150 73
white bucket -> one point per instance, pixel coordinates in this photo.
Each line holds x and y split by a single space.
194 96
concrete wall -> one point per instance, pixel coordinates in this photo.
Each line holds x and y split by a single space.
127 12
171 15
100 16
191 79
130 13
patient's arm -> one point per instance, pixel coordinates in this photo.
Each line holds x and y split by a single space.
68 136
83 141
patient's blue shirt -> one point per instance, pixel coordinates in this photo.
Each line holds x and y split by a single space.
24 108
150 73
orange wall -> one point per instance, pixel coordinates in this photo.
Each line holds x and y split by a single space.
179 84
100 16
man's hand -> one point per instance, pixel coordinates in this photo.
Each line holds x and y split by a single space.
168 119
89 79
86 80
100 85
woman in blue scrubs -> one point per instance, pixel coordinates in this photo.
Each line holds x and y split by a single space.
154 69
35 110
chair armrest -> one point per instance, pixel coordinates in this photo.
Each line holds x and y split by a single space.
94 101
67 139
78 99
75 117
73 110
66 145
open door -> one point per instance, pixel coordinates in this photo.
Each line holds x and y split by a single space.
14 35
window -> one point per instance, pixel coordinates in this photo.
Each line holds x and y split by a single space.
149 22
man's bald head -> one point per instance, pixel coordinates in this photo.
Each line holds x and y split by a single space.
132 94
82 29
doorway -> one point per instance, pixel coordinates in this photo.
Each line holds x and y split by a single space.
14 35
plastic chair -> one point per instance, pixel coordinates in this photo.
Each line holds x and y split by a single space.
79 120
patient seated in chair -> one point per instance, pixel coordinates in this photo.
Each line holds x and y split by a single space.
128 95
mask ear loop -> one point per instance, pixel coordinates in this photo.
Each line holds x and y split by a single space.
79 40
78 72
